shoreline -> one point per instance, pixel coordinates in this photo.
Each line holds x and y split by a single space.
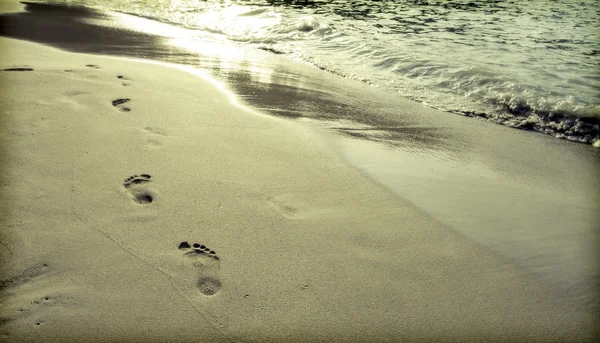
113 33
86 30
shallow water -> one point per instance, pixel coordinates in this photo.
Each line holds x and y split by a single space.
531 65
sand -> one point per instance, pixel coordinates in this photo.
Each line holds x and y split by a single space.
109 166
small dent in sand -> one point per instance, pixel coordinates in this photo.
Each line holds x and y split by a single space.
208 285
95 66
144 198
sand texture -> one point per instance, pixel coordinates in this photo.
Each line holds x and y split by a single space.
139 204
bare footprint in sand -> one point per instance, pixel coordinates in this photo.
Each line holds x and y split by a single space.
287 209
136 186
26 275
208 265
153 137
17 69
121 77
118 102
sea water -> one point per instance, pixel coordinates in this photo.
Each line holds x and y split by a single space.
525 64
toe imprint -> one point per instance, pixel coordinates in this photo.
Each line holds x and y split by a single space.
198 249
136 180
184 245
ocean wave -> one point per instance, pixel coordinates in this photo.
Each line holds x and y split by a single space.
563 121
304 24
463 57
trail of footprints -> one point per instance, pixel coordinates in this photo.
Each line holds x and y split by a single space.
118 103
204 259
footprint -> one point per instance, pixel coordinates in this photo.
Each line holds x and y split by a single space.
28 274
75 93
124 84
118 102
287 210
153 137
135 185
17 69
207 262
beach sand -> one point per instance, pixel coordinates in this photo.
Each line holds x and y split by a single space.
109 166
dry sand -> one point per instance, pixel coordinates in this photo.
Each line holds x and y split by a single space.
97 199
